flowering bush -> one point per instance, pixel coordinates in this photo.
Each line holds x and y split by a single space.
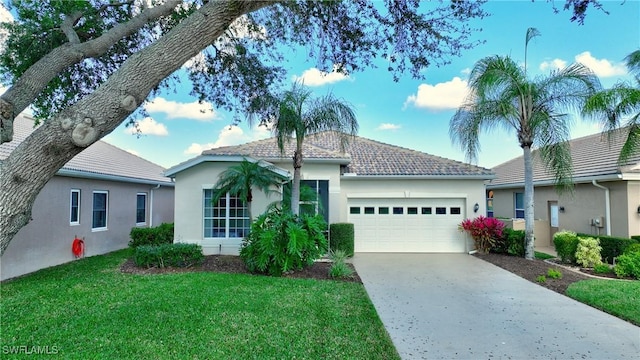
484 231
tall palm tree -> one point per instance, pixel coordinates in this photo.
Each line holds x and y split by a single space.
619 107
501 96
298 114
241 179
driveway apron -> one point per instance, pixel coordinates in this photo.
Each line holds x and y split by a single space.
455 306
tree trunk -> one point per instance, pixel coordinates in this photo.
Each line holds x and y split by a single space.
295 185
528 204
28 168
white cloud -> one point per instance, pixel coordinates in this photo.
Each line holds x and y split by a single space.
5 17
230 135
441 96
315 77
176 110
602 67
554 64
388 126
466 71
148 126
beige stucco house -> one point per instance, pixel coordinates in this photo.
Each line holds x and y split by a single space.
399 200
606 196
98 196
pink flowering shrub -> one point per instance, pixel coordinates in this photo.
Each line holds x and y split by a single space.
484 231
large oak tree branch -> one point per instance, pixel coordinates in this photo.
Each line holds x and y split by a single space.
28 168
35 79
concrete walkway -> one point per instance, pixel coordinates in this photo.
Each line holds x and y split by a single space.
455 306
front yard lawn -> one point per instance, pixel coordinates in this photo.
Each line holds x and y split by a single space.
88 309
616 297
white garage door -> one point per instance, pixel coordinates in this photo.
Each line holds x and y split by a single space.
407 225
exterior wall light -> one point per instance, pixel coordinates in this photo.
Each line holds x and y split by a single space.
476 207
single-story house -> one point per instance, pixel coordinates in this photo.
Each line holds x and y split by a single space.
605 199
399 200
98 196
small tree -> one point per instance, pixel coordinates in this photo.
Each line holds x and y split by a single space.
242 178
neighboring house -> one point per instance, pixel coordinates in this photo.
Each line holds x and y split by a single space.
399 200
98 196
605 200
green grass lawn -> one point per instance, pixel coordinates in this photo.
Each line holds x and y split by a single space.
618 298
87 309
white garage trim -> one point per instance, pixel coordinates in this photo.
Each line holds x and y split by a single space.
407 194
408 224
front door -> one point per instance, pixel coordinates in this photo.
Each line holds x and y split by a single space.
554 214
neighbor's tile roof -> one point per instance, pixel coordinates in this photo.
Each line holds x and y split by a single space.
362 156
100 158
592 156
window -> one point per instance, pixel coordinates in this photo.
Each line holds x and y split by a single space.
441 210
100 210
228 218
398 210
412 211
518 199
141 208
383 210
426 211
369 210
454 211
74 212
490 203
314 197
354 210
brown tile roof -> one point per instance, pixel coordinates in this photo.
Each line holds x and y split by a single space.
592 156
362 156
98 159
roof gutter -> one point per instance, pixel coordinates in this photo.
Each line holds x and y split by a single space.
607 205
350 176
107 177
578 180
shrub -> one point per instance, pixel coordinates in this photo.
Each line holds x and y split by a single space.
168 255
554 274
588 252
280 241
633 248
602 269
628 265
162 234
511 242
339 268
566 243
541 279
484 231
341 237
612 246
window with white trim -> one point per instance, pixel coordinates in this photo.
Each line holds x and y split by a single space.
228 218
141 208
74 207
518 200
100 210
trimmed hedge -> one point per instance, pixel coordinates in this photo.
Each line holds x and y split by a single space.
612 246
511 242
162 234
341 237
168 255
566 244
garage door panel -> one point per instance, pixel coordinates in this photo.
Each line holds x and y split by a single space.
411 225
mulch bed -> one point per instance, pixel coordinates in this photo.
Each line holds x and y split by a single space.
235 265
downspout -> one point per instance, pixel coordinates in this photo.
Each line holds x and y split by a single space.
151 204
607 205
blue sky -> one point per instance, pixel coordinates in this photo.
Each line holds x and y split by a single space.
413 113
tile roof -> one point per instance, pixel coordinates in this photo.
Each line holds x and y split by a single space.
97 160
362 156
592 156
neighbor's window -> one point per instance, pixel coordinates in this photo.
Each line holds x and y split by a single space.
74 213
141 208
490 203
518 199
226 218
100 210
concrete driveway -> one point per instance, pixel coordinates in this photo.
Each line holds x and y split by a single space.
455 306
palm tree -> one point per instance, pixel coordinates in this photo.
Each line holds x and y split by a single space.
298 114
619 107
501 96
242 178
